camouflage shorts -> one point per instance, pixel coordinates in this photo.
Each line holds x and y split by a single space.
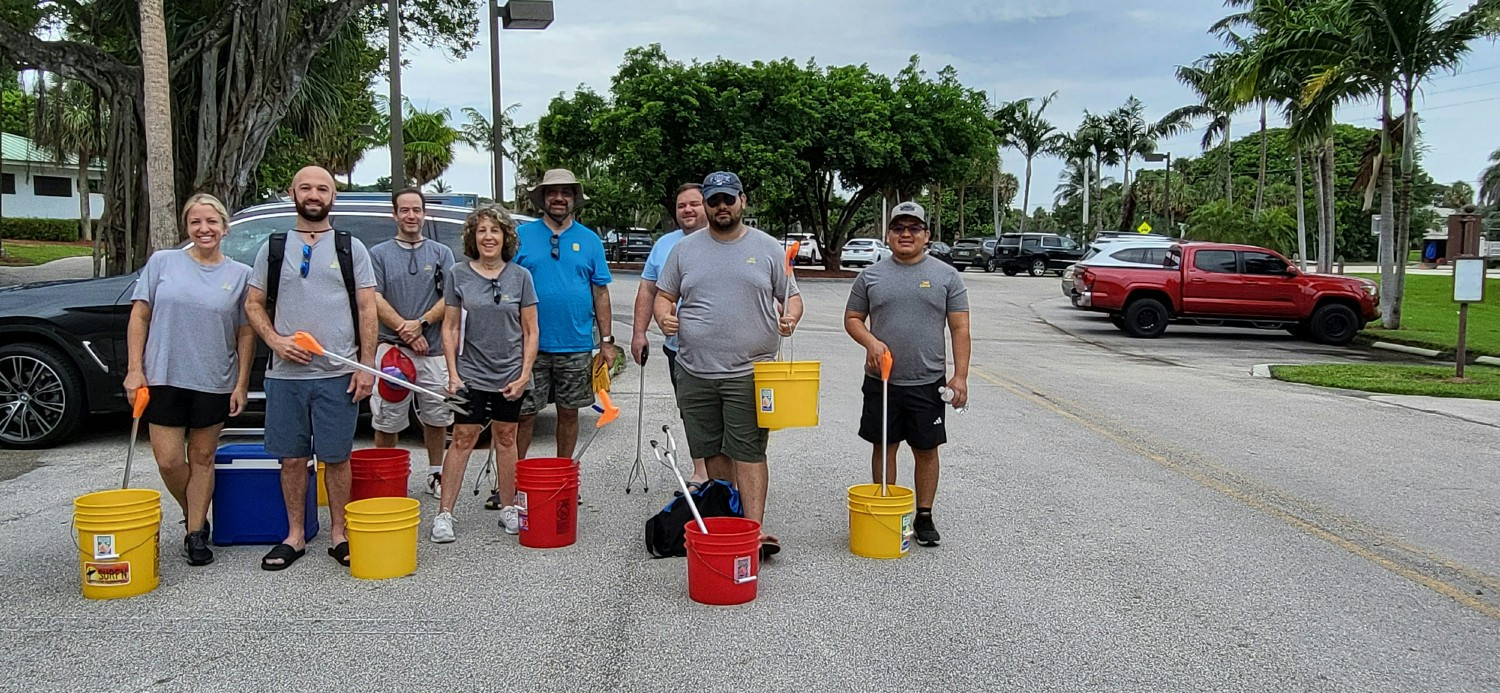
563 379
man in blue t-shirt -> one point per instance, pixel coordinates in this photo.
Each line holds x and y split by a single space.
567 265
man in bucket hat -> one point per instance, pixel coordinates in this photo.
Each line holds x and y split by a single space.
567 265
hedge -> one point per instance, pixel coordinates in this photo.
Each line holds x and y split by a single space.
25 229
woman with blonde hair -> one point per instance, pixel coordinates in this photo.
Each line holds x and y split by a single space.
189 342
490 342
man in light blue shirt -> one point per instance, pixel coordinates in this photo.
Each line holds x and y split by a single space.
690 218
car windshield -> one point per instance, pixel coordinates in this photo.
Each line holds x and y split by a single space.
859 242
967 243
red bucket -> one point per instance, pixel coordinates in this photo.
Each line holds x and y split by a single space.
723 566
379 473
547 492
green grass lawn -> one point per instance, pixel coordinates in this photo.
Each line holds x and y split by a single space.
40 253
1429 316
1432 381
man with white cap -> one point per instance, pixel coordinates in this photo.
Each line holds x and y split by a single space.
908 299
567 265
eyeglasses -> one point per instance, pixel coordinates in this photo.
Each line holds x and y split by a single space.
721 201
556 253
306 259
437 278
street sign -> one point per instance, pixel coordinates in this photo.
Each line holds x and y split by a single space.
1145 227
1468 287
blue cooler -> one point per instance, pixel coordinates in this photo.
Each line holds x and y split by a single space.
247 505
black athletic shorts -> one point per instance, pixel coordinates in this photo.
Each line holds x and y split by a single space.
485 406
916 415
176 407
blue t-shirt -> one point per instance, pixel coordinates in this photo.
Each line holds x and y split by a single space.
654 263
565 286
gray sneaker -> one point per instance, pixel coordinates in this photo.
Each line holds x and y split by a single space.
442 528
510 519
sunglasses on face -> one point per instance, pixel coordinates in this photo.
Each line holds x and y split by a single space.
905 229
720 201
306 259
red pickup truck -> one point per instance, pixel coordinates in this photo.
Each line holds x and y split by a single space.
1232 285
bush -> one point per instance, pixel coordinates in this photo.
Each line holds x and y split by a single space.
24 229
1223 222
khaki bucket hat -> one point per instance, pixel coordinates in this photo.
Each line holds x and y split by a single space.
556 176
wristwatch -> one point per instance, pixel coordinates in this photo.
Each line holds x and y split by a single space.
607 339
425 324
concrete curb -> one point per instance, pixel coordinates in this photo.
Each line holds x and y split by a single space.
1260 370
1488 360
1419 351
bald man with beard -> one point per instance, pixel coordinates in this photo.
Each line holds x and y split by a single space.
312 404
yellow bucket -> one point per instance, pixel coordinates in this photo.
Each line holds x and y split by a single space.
786 394
322 488
881 526
383 537
118 537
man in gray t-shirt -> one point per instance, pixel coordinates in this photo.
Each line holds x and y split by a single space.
908 299
409 275
732 282
312 403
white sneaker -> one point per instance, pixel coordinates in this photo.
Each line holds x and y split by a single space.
442 528
435 485
510 519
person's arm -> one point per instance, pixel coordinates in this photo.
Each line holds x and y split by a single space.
666 312
135 340
452 318
791 315
854 324
245 348
958 325
645 298
260 321
605 320
388 315
363 382
529 341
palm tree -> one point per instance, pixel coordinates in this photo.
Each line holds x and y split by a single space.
1094 132
440 186
1077 154
1213 85
429 141
1489 182
1132 136
70 126
1028 132
157 117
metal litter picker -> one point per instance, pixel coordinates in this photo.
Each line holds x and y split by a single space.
452 402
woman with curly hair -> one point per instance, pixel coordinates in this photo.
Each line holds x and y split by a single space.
490 342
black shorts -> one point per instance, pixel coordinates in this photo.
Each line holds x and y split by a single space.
916 415
175 407
485 406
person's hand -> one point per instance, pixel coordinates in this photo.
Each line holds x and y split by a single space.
668 325
608 352
516 388
455 384
788 325
237 401
418 346
960 388
361 384
287 350
638 346
134 380
873 354
410 330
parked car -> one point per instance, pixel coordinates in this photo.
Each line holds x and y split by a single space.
1122 253
1229 285
973 252
863 252
1035 253
62 344
628 246
808 253
941 251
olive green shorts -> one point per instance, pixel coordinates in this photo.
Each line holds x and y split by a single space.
719 417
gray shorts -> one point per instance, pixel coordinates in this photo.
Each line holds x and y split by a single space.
561 378
719 417
310 417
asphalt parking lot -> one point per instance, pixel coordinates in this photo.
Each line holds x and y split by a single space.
1117 514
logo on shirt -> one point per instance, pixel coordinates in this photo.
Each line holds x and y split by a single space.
227 287
750 261
426 268
925 284
575 247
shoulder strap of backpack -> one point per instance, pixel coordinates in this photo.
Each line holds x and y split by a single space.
275 255
344 245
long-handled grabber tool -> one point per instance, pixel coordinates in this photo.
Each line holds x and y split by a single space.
610 413
142 397
638 470
681 483
452 402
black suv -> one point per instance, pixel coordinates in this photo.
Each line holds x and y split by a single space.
62 344
627 246
1035 253
974 252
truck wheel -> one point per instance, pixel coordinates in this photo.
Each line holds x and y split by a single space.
1334 324
1145 318
989 266
1300 330
1038 267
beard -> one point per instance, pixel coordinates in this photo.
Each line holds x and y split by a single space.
734 220
559 216
312 215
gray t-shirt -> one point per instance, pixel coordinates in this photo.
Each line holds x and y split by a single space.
908 307
408 278
195 312
492 352
727 319
317 304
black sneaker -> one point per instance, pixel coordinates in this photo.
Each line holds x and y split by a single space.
927 534
196 548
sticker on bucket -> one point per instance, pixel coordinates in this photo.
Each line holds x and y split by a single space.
742 570
907 531
521 514
104 546
106 574
767 400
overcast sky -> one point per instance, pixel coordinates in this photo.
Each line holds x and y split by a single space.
1094 53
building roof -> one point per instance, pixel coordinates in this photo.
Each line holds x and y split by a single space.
17 149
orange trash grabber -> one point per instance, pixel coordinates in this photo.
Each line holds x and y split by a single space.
609 413
885 421
142 398
791 255
310 343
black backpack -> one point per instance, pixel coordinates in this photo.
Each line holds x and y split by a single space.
343 247
666 531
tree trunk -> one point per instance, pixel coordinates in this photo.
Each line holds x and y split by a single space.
157 90
85 216
1301 217
937 212
1228 166
1388 318
1318 191
1403 210
1025 196
1330 199
962 217
1260 180
1098 192
1085 196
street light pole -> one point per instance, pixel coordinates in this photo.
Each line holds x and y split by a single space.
515 14
397 145
1167 157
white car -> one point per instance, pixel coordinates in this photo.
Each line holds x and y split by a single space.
863 252
1118 253
807 253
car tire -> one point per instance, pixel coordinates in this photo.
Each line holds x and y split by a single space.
1009 271
1038 267
1300 330
1146 318
1118 321
989 267
960 267
1334 324
48 407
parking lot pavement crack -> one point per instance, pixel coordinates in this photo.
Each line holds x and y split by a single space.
1474 589
1148 358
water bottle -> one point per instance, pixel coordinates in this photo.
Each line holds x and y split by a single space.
947 394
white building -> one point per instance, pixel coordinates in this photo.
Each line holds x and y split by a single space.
35 186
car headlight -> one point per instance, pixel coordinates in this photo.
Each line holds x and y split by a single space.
1372 290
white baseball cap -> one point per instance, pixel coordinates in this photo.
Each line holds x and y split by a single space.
909 209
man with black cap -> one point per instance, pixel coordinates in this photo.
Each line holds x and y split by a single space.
731 284
908 300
